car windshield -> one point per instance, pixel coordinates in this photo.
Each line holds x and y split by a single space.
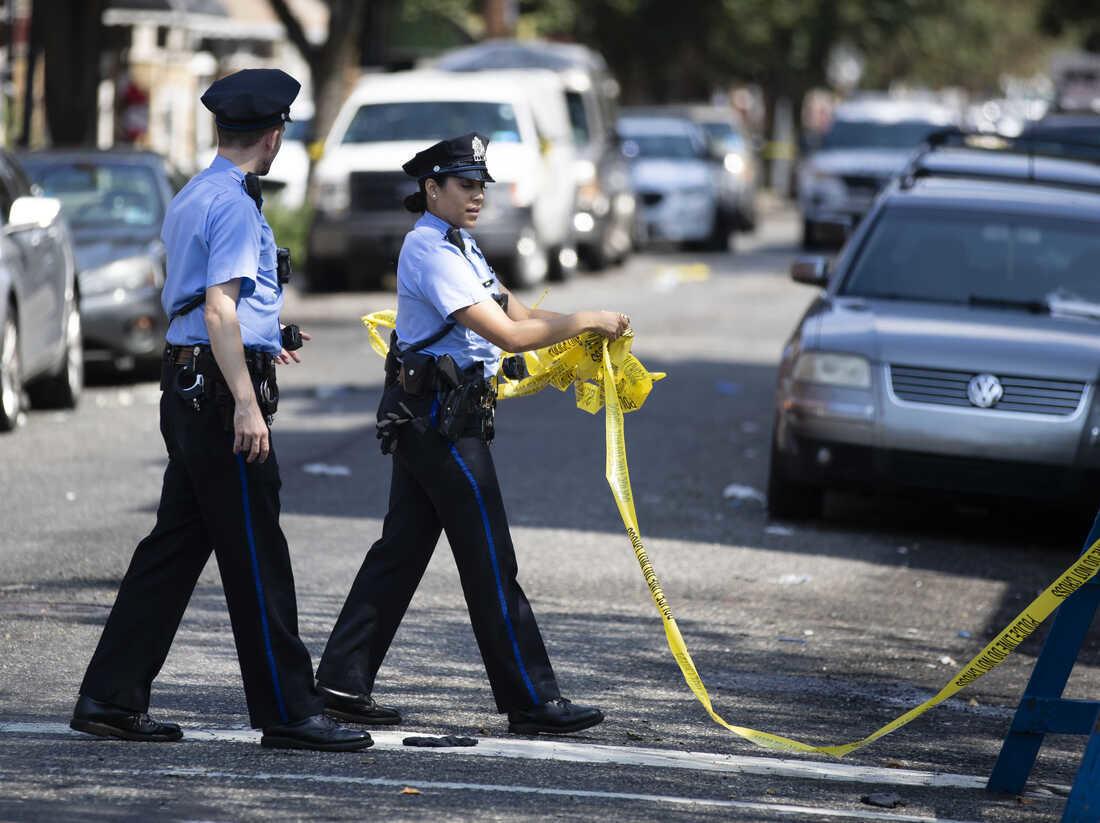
101 194
872 134
434 120
1022 260
578 118
664 146
724 135
298 130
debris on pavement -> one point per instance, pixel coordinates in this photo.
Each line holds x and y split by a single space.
735 491
326 469
793 579
446 741
885 800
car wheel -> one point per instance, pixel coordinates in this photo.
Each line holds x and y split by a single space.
62 389
719 237
325 274
809 235
789 499
11 375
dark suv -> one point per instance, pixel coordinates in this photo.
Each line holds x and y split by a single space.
956 344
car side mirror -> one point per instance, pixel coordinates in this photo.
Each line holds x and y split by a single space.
813 271
27 212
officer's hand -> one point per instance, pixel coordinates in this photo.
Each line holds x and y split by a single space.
251 436
284 357
611 325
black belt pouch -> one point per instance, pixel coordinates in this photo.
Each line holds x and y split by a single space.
417 376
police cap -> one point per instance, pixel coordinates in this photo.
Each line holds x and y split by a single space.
459 157
252 99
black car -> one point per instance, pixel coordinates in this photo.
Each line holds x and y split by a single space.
114 202
40 324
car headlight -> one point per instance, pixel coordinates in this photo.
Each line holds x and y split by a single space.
848 370
128 273
734 163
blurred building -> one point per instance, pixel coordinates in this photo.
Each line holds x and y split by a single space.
162 54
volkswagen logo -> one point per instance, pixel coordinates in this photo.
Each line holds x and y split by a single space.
984 391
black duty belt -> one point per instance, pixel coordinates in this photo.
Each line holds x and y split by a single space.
255 359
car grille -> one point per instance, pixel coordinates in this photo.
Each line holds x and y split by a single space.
651 198
940 387
863 184
379 190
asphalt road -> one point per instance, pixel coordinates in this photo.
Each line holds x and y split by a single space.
822 632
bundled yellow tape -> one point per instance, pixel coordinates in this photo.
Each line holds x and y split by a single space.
609 375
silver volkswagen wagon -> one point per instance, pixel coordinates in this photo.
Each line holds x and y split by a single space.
956 344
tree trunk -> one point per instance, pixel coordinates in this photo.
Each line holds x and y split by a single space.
71 43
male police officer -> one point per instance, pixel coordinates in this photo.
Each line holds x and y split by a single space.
221 486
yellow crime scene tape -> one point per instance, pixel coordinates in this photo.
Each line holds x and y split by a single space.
607 375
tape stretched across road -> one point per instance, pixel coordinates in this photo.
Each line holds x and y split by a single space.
607 375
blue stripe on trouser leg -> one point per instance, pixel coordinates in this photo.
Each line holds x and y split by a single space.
496 573
260 590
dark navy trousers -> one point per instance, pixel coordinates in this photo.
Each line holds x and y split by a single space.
211 500
439 486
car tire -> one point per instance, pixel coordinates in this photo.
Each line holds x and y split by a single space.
11 375
789 499
325 274
62 389
809 235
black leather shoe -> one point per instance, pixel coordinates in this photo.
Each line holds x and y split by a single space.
557 716
357 708
320 733
105 720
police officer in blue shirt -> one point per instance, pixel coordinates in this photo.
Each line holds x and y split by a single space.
453 319
221 487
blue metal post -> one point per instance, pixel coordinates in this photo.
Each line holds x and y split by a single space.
1042 708
1083 805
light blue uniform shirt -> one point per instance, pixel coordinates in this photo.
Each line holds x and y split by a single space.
434 280
214 233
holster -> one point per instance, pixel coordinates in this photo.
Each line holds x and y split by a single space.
199 382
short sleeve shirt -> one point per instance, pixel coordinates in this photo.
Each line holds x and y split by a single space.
435 279
213 233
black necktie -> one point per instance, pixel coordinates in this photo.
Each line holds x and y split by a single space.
455 236
252 186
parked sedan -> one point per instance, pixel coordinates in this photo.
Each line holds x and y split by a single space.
956 346
40 328
868 143
114 202
673 180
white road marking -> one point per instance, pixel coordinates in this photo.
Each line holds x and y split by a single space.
748 805
562 751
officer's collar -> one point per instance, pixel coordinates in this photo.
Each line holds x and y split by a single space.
438 223
222 163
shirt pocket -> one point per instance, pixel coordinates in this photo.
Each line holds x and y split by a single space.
268 275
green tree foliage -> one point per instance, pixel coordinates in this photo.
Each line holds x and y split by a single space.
1079 19
662 50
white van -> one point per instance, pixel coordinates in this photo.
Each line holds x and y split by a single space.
525 228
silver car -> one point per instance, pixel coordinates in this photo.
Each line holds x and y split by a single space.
956 346
114 201
867 144
674 184
40 328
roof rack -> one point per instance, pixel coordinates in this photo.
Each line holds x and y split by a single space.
1034 149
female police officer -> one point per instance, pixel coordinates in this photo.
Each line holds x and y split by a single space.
453 319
